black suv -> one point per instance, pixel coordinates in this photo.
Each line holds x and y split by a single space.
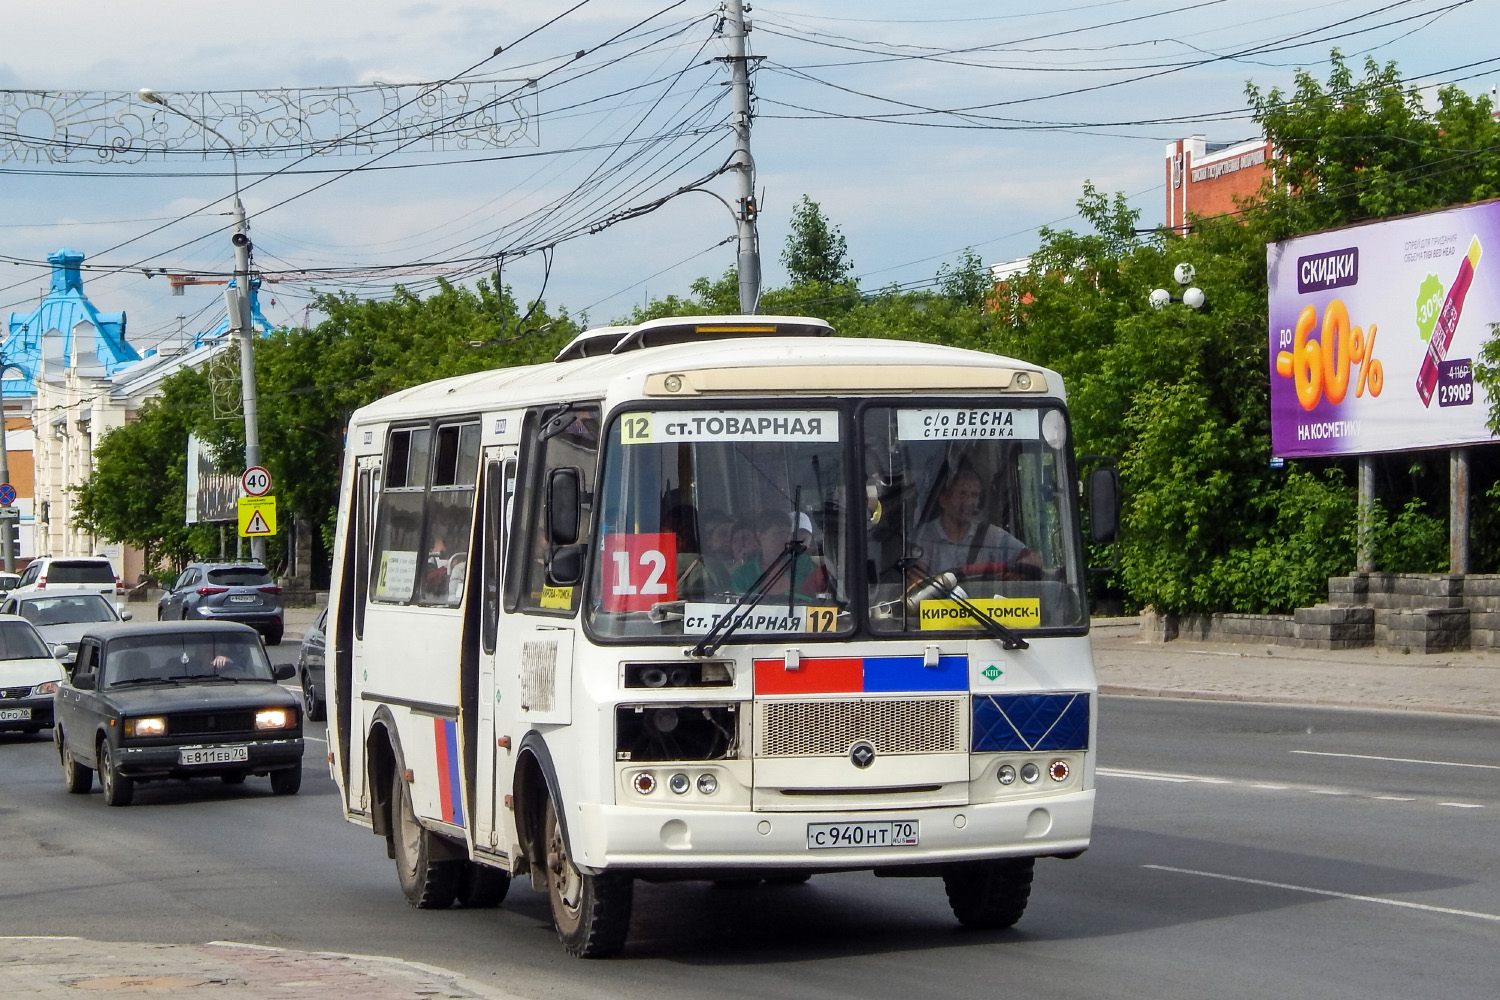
231 592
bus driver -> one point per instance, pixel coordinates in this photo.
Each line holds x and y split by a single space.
957 537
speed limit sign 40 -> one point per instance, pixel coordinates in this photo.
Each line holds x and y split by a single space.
256 482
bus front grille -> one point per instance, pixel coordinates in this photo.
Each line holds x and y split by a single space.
831 728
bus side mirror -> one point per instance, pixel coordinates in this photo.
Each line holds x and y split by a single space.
1104 505
563 490
565 565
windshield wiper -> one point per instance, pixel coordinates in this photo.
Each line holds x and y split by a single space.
730 623
1007 636
203 677
144 680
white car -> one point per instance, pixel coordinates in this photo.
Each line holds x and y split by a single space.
49 573
29 675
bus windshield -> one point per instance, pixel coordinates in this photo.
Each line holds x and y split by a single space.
969 512
702 511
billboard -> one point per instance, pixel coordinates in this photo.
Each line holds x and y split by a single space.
212 496
1374 330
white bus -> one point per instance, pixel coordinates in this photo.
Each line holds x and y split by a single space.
716 598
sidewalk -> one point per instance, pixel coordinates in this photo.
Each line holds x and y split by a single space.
53 968
1373 678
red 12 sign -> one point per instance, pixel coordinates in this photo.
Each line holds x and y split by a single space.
639 571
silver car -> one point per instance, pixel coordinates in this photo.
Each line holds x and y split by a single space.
232 592
61 619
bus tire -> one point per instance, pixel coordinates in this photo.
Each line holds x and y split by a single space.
427 883
482 886
989 895
590 912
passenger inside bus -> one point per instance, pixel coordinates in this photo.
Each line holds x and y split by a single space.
773 530
710 571
958 537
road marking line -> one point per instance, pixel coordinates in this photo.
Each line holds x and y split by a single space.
1462 805
1162 776
1396 760
1403 904
1396 798
1274 788
316 740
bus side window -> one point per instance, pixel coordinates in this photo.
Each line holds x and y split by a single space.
398 527
573 443
499 484
449 516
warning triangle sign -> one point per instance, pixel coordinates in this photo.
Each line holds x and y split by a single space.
257 525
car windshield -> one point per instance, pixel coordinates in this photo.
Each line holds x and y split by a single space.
240 576
176 656
72 609
703 510
80 572
968 511
19 641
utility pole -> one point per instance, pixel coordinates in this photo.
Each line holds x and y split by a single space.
240 319
7 526
735 30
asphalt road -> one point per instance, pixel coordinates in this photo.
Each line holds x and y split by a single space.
1240 851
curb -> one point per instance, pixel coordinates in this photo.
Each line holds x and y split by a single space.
1128 691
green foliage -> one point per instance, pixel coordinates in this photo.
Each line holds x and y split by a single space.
1411 542
1368 148
816 252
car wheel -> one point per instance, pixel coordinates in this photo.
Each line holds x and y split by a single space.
591 912
273 637
76 778
428 883
233 777
286 781
481 886
315 708
158 613
989 895
118 789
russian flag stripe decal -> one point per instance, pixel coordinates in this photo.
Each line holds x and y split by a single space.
867 674
450 788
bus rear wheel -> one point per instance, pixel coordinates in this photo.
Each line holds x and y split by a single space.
989 895
591 912
428 883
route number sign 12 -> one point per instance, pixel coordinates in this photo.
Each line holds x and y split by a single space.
640 570
256 482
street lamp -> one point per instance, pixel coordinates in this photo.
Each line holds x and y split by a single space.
237 301
1192 297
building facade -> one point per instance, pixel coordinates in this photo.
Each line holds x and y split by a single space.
1207 178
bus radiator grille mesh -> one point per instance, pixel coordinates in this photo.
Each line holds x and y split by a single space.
830 728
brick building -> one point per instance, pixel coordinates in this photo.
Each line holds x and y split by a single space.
1205 178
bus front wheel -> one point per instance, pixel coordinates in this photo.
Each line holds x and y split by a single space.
989 895
427 882
591 912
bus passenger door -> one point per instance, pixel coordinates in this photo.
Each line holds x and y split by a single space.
352 711
495 756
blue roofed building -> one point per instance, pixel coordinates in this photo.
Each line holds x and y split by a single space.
65 331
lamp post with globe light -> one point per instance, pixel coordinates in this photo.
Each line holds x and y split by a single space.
237 302
1192 297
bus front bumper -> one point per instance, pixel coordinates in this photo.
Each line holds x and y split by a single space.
629 838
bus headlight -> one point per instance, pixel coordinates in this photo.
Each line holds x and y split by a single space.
1058 770
679 783
707 784
644 782
1006 775
1030 773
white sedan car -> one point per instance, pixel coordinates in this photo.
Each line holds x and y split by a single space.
29 676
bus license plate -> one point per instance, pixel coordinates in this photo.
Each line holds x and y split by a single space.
15 714
213 755
881 833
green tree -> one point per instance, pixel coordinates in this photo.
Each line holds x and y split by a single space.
816 252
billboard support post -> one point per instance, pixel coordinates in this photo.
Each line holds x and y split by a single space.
1365 558
1458 510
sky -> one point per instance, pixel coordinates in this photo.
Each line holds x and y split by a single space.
922 131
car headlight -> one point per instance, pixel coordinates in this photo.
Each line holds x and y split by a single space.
46 687
150 726
275 718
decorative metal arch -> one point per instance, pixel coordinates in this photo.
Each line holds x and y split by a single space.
118 127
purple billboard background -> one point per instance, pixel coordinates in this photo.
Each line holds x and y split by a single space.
1385 274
